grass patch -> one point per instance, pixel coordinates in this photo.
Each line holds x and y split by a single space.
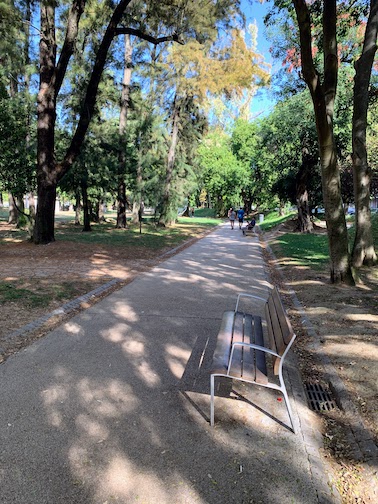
308 250
151 237
11 293
205 212
311 250
273 219
42 293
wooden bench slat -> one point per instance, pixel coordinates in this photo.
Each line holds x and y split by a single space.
254 361
275 328
237 336
286 328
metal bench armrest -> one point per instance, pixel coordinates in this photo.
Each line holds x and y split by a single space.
250 345
256 347
245 294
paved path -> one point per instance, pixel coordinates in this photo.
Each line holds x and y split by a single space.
112 407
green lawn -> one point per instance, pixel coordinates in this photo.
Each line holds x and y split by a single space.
151 236
302 249
272 220
311 250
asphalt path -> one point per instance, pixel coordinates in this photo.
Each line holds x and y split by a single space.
113 406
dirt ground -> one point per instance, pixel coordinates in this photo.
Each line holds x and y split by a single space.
345 320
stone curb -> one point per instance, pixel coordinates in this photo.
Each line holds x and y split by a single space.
364 448
312 437
77 302
63 310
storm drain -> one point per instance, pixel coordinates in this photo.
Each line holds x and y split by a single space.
319 399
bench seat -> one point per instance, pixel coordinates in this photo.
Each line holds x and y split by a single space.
247 363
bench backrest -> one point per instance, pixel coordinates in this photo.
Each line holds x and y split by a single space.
280 331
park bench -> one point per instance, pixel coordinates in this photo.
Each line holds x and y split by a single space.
241 353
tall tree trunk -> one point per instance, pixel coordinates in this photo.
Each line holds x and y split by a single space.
363 248
138 199
46 110
101 214
28 15
50 172
12 211
166 214
86 210
78 207
125 97
304 217
323 97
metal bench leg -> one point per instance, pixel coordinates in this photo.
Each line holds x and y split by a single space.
288 407
212 378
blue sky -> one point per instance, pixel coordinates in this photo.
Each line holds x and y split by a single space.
256 11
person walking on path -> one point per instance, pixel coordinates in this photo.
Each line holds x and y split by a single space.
232 217
240 217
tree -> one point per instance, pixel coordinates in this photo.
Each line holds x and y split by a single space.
244 141
49 170
125 96
198 69
323 92
220 172
363 249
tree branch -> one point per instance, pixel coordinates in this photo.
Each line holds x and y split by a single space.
304 24
149 38
91 94
330 52
74 16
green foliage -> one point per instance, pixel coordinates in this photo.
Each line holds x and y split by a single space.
16 165
223 175
284 135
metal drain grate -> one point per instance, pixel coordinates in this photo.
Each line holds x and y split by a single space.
319 399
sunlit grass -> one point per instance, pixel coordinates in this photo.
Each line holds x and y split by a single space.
307 250
311 250
273 219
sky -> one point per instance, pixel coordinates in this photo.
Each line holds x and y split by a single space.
262 102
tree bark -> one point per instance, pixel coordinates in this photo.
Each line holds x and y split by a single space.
12 211
304 217
86 210
78 207
166 217
323 97
363 252
125 97
46 110
305 224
